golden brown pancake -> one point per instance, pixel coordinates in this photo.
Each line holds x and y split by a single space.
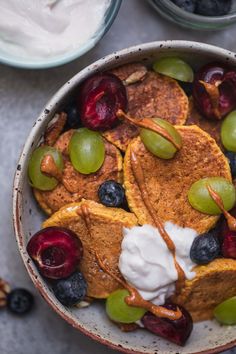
168 181
76 185
211 126
153 96
213 283
104 236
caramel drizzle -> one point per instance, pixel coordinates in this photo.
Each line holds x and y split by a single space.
148 123
214 95
135 299
231 221
49 167
139 177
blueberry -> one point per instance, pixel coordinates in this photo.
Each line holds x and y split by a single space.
205 248
20 301
71 290
231 156
187 5
73 119
187 87
111 194
213 7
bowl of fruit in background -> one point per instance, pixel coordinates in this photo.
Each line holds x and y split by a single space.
198 14
168 58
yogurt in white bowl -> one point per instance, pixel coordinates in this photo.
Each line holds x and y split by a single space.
45 33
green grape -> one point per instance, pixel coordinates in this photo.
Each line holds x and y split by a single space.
228 132
175 68
226 312
87 151
118 311
38 179
201 200
158 145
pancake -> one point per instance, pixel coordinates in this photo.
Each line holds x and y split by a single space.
168 181
76 185
105 236
154 95
211 126
214 283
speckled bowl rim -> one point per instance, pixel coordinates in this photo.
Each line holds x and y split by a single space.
39 126
52 62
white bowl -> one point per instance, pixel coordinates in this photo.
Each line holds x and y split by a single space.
207 337
29 63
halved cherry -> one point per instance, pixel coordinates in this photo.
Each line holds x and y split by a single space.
214 90
99 99
56 252
177 331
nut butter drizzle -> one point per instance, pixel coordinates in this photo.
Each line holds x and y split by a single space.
148 123
83 211
134 299
139 177
231 221
214 95
49 167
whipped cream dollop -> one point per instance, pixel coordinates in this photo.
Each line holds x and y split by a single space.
45 28
147 264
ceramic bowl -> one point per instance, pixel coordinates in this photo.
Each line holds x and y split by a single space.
207 337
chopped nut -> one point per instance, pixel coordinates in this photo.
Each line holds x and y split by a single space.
55 128
135 77
85 303
4 290
127 327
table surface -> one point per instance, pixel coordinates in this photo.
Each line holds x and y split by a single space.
22 95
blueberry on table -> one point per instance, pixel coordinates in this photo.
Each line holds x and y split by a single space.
205 248
111 194
20 301
231 156
187 5
213 7
71 290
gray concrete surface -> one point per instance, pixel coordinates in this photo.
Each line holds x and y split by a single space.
22 95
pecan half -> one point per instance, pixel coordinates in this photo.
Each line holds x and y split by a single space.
4 290
55 128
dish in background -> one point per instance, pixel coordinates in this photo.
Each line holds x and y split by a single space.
173 13
207 337
37 62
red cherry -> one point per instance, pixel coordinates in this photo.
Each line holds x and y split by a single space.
214 90
56 252
177 331
99 99
228 238
229 244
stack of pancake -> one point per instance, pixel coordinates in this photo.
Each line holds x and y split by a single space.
167 182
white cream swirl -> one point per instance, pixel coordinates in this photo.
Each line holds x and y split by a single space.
45 28
147 264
